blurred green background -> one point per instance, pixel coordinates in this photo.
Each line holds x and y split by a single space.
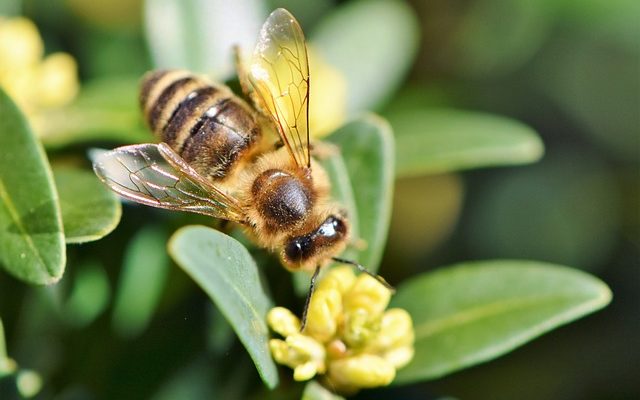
569 69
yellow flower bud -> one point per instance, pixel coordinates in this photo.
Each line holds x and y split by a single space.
399 357
57 78
362 371
340 278
283 321
20 44
322 318
304 372
359 327
299 351
369 294
396 329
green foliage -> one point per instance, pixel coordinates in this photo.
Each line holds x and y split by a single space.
464 315
6 364
31 237
470 313
347 40
368 148
201 33
90 211
143 277
444 140
226 272
544 213
314 391
106 109
89 296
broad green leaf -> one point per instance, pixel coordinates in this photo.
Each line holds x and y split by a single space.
373 43
565 209
443 140
315 391
226 272
142 279
368 150
106 109
31 239
89 296
90 211
199 34
473 312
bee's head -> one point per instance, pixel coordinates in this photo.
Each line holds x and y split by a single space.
314 248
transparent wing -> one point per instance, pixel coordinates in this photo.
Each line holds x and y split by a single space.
155 175
279 74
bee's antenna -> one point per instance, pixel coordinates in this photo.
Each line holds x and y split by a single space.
366 271
312 288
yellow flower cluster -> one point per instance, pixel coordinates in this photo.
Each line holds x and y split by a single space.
349 337
32 81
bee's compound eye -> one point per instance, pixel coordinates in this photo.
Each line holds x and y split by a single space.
296 249
293 251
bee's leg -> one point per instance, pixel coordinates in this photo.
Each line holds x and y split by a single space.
323 150
312 288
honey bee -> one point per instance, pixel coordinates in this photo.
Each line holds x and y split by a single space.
215 159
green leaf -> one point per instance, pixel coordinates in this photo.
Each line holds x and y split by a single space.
31 238
90 211
315 391
142 279
226 272
373 43
368 150
106 109
474 312
443 140
89 296
10 7
514 39
199 34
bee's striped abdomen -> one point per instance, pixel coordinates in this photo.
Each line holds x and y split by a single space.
206 124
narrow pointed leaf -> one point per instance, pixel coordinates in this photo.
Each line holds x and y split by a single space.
368 151
473 312
90 211
31 239
443 140
223 268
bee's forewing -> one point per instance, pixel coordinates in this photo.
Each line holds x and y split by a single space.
279 75
155 175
